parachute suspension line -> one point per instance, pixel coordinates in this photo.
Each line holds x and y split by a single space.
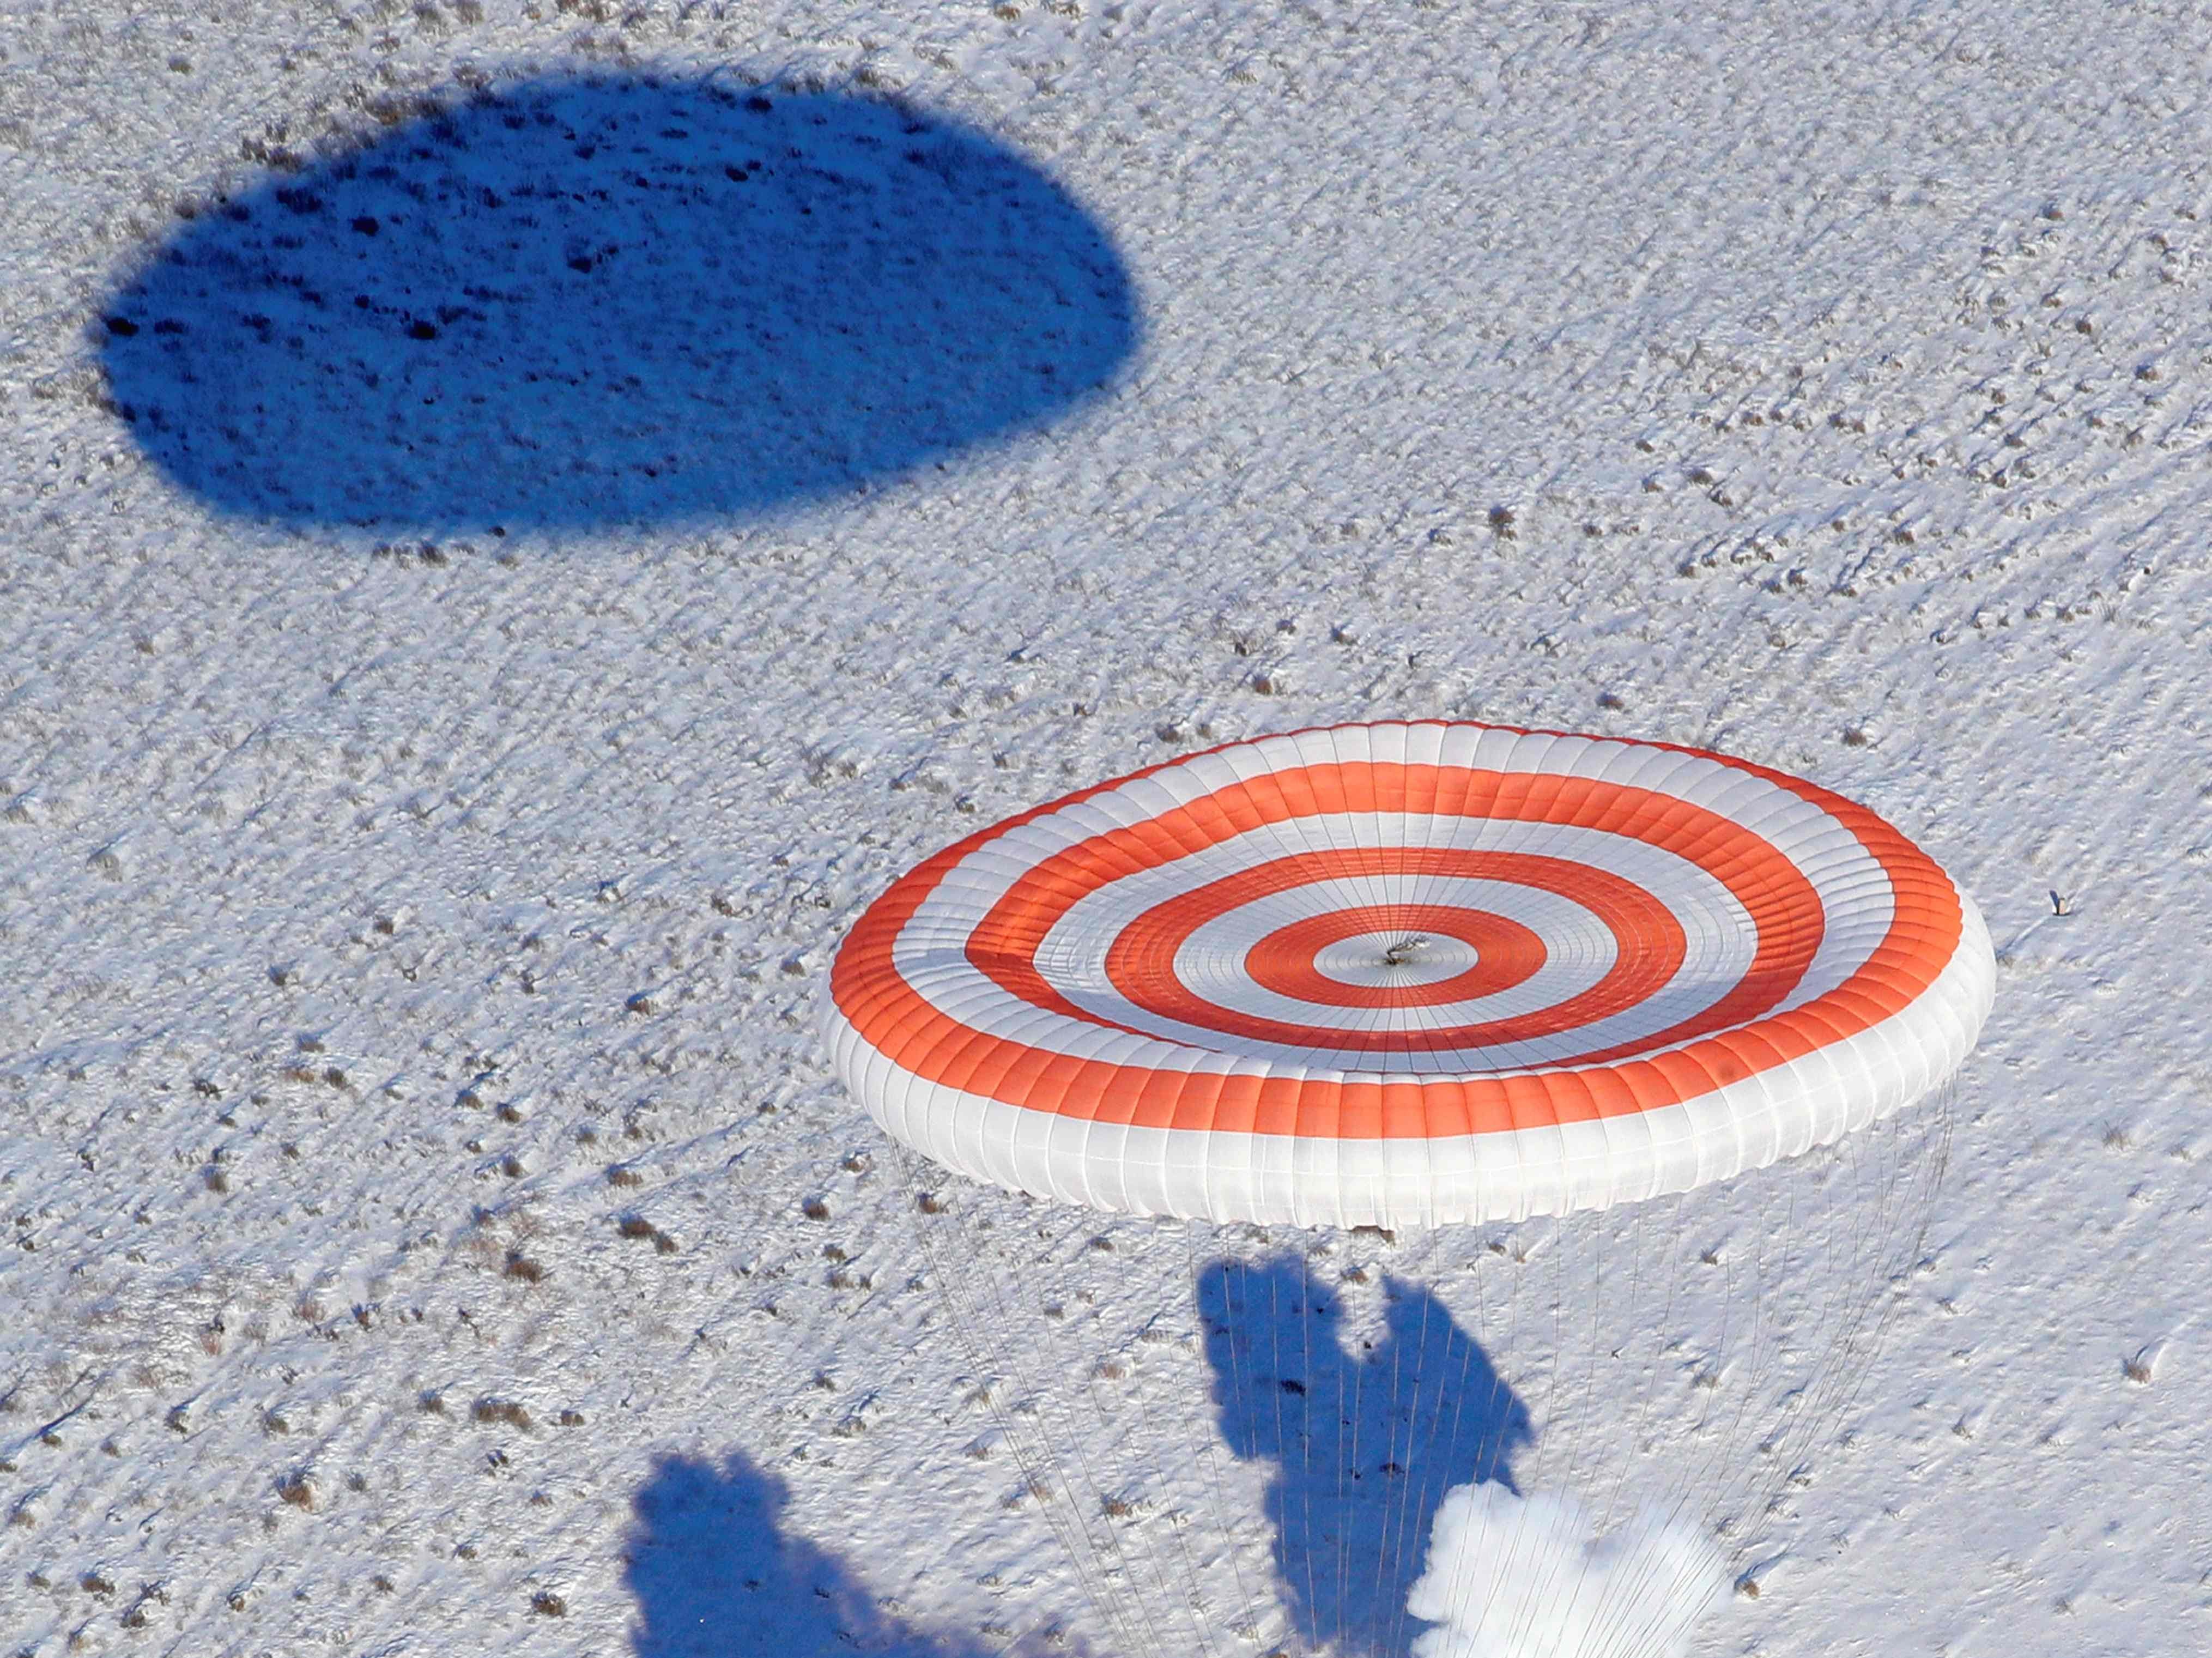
1874 1186
1551 1429
1704 1490
1414 1483
1032 1461
1259 1385
1560 1253
1090 1371
1924 1166
1671 1236
1034 1456
1583 1561
1596 1447
1579 1561
1854 1241
1519 1310
1468 1350
1931 1168
1071 1501
1248 1384
1348 1458
1769 1235
1303 1419
1874 1195
1219 1340
1354 1460
1608 1311
1308 1315
1906 1184
1586 1562
1751 1385
1388 1543
1489 1422
1498 1423
1198 1447
1198 1443
1748 1495
1890 1180
1201 1438
1088 1499
1513 1251
1419 1503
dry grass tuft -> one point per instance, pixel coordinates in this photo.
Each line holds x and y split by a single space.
507 1411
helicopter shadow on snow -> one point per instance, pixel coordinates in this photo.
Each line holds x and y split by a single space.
619 299
1363 1444
716 1575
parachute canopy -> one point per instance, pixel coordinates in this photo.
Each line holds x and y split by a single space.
1407 975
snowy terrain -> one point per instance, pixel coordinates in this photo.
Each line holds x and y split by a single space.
432 1227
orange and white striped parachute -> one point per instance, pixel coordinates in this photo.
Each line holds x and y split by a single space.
1446 980
1408 975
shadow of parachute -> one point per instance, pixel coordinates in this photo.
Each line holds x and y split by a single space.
618 300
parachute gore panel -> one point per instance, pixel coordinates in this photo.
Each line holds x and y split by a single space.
1407 975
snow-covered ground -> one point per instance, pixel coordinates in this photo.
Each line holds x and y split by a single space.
434 1229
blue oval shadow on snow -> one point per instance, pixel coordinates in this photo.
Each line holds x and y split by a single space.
581 303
